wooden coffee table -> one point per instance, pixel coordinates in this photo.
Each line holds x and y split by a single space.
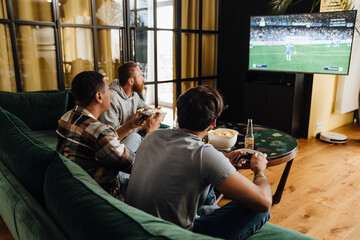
280 148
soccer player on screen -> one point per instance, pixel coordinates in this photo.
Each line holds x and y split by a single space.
288 52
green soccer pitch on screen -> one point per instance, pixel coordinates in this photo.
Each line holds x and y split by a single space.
308 43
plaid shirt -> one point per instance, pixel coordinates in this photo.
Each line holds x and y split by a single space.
94 146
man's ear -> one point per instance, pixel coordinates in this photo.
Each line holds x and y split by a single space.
131 81
98 97
213 123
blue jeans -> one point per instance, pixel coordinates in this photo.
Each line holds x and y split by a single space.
132 141
232 221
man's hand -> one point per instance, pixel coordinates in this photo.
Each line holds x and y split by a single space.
134 121
152 123
234 156
258 163
129 125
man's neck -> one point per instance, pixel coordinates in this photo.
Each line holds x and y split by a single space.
94 110
128 90
200 134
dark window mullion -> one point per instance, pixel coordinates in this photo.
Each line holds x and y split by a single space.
166 81
127 34
198 31
94 33
14 45
34 23
58 50
200 40
74 25
178 48
155 55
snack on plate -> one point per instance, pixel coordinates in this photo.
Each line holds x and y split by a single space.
153 111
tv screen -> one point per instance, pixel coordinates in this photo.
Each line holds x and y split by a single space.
308 43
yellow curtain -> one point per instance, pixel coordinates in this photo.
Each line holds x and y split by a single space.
30 76
7 77
78 11
209 55
190 14
209 42
32 10
106 66
37 61
36 46
76 43
210 15
190 43
3 13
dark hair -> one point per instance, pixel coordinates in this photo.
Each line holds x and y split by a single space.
198 107
85 85
125 72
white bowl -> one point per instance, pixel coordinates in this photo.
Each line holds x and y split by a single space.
223 138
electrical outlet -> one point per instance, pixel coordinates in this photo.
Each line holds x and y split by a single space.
318 125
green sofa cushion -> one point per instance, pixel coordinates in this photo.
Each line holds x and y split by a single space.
83 210
40 111
271 231
25 156
23 215
48 137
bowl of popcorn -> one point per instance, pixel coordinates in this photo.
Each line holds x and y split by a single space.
223 138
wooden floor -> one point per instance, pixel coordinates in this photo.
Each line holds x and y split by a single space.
322 194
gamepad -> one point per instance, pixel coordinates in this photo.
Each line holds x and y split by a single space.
247 156
145 116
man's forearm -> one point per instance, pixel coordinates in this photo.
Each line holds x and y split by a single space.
261 181
123 131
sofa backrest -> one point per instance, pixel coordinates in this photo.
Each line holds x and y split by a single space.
25 156
40 111
83 210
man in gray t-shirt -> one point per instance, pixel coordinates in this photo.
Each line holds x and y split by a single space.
174 170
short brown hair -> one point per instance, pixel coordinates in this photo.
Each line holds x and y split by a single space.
198 107
126 71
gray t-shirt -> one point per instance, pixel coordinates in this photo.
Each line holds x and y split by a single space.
172 174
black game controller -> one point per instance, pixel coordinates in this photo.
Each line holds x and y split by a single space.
145 116
246 157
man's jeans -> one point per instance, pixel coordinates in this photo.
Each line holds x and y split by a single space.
132 142
232 221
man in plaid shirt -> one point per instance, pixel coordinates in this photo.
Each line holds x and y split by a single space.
95 146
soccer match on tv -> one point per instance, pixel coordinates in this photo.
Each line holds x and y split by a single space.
309 43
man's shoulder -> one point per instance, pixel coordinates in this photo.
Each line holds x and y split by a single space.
87 123
98 128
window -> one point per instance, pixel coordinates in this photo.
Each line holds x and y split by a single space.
45 43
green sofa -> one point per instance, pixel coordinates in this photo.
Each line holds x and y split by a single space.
43 195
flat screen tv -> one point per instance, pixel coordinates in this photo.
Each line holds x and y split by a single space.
302 43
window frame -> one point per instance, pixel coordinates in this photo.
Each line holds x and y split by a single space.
126 41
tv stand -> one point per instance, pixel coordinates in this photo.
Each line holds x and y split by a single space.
278 100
